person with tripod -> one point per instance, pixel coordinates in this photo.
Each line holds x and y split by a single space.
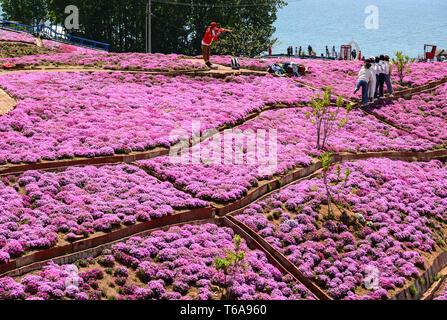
211 34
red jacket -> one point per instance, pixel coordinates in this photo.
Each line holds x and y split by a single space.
211 35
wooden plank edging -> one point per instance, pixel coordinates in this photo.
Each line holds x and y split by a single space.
92 252
279 257
81 245
252 243
424 282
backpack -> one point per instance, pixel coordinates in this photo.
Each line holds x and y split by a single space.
235 64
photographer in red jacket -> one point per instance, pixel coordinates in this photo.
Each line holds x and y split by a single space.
211 34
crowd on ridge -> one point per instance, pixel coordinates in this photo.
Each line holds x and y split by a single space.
299 52
372 78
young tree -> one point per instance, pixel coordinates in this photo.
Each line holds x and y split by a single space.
339 184
326 160
402 65
233 263
324 116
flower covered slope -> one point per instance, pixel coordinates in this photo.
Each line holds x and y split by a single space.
421 73
111 61
172 265
66 48
223 181
262 64
6 35
38 209
341 74
66 115
397 217
424 114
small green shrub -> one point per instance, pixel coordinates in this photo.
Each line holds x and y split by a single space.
413 291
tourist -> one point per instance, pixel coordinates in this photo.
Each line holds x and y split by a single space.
211 34
296 51
300 52
40 28
383 71
309 48
364 79
327 52
372 83
376 66
333 52
354 54
389 86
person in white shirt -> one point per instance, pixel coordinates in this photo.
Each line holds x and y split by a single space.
383 71
372 83
364 79
389 86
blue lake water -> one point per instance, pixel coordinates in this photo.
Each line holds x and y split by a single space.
404 25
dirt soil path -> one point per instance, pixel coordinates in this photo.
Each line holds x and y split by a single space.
227 70
6 103
39 42
222 71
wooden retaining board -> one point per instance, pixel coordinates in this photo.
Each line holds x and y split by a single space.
77 246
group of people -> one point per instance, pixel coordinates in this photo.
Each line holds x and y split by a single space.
372 78
334 52
299 52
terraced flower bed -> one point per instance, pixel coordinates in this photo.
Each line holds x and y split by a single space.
40 210
66 115
342 75
111 61
421 73
170 265
425 114
66 48
211 177
392 219
19 49
6 35
261 64
386 227
433 104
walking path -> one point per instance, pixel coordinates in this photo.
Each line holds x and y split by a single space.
7 103
39 42
221 72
